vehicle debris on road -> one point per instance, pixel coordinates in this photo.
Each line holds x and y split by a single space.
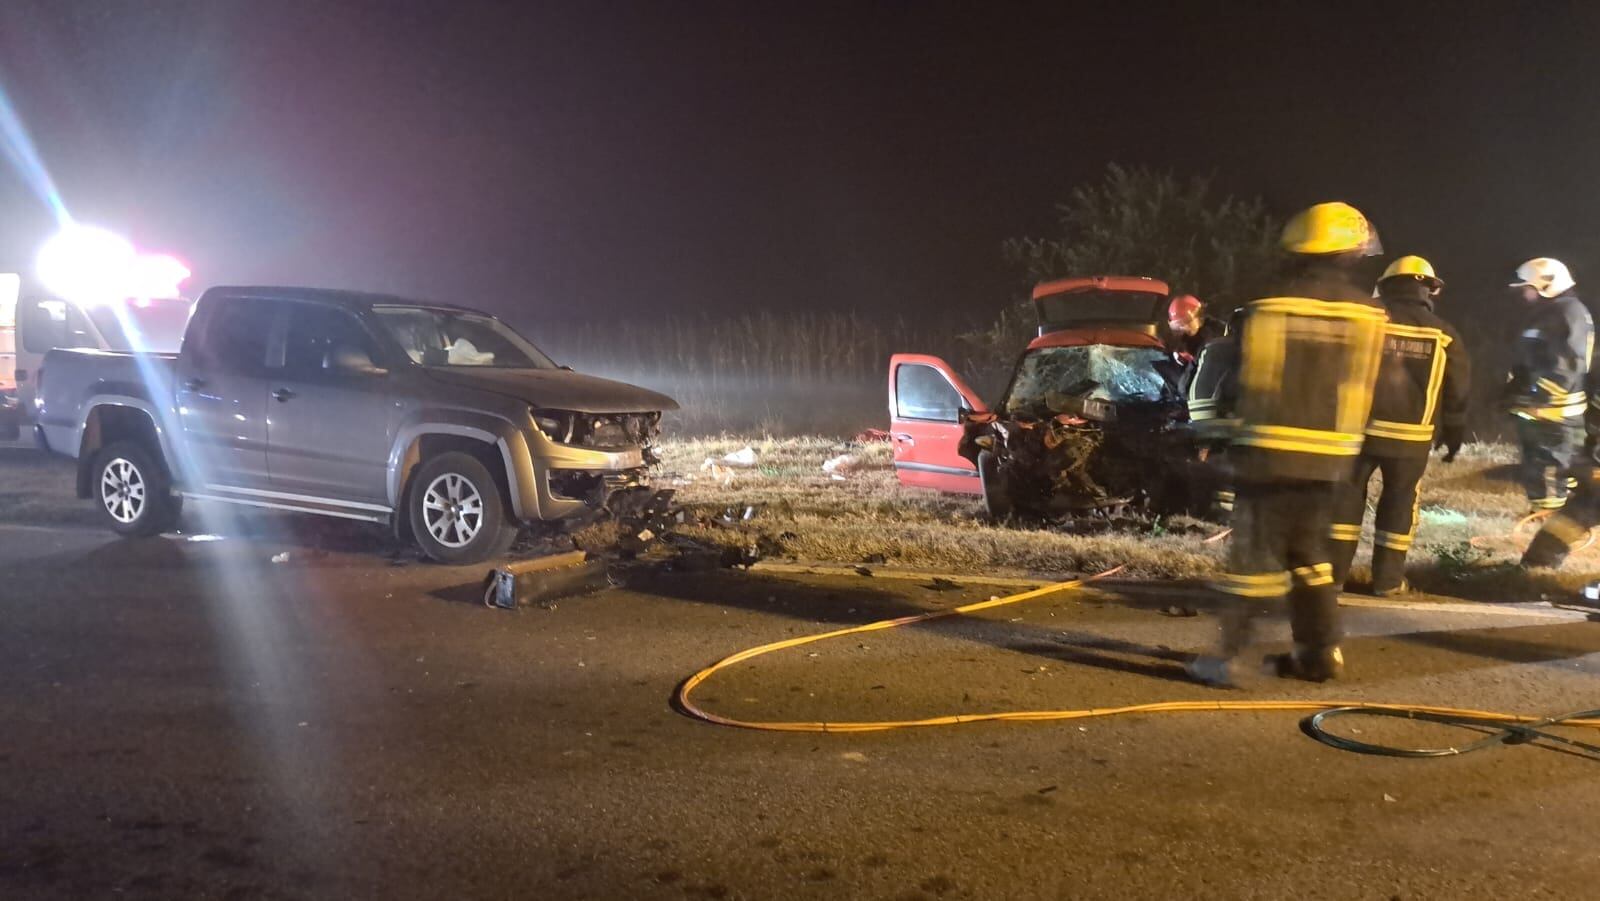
544 579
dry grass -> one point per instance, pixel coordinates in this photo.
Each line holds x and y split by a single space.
1465 546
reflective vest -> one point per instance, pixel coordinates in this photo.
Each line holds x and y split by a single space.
1306 373
1422 381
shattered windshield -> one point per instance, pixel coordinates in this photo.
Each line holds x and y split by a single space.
1050 376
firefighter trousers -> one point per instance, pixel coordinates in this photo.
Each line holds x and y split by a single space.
1280 549
1568 528
1394 524
1547 452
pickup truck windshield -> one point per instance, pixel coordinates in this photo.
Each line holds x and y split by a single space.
1049 376
433 337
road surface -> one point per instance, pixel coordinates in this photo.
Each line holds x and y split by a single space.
186 718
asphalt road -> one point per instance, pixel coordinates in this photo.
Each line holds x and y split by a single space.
184 718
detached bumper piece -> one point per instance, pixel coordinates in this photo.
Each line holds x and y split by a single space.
544 579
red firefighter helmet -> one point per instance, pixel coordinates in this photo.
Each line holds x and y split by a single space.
1183 314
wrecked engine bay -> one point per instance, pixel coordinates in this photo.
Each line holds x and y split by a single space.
1085 430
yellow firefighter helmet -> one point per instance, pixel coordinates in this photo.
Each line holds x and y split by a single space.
1330 228
1415 267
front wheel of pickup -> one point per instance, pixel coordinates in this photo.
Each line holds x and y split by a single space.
132 491
457 512
996 487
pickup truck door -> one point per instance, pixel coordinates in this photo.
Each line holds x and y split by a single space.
329 429
926 398
222 395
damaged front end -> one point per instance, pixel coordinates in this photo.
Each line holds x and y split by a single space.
596 457
1083 430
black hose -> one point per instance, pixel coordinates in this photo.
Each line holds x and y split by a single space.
1499 732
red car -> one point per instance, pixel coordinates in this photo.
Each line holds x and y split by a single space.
1092 420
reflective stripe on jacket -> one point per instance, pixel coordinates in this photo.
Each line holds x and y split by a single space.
1423 378
1307 364
1546 383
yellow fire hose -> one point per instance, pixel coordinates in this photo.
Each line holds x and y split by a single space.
1512 728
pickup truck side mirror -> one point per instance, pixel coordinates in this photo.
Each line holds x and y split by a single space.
348 358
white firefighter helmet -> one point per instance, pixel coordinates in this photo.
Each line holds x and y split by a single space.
1549 277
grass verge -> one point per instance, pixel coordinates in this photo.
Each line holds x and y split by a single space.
1468 541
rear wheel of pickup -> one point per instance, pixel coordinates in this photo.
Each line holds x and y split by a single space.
132 491
458 515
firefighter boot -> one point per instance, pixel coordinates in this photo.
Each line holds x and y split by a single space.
1222 669
1310 664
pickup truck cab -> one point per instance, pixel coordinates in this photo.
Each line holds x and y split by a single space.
1092 420
438 420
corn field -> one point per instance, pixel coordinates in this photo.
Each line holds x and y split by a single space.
777 374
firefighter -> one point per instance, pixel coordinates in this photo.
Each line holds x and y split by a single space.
1210 420
1420 398
1569 527
1191 328
1545 389
1308 358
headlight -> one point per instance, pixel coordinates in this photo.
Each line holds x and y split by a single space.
555 426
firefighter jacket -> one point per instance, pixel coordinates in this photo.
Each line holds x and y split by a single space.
1308 360
1423 377
1212 419
1546 383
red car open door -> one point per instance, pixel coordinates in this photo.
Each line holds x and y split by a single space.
926 398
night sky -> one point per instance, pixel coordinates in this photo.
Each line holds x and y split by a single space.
541 159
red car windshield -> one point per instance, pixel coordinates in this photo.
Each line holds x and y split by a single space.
1050 376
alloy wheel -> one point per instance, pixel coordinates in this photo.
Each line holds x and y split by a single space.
452 509
122 490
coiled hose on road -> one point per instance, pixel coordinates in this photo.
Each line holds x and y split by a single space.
1504 728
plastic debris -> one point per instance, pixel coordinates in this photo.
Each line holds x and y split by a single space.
718 472
281 557
745 456
842 466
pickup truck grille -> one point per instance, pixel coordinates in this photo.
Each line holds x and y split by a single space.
616 430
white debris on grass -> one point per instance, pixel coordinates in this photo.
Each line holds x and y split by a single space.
842 466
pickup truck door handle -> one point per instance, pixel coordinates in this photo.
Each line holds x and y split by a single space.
282 395
904 438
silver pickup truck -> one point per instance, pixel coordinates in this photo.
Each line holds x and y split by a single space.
438 420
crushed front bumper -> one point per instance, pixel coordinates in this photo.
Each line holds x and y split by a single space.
554 481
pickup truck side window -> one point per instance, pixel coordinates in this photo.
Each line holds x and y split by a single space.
50 324
922 392
234 338
314 332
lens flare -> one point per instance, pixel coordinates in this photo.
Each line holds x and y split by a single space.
85 264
